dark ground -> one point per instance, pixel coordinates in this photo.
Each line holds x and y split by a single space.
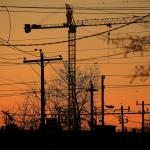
57 139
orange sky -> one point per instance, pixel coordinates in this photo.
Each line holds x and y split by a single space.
92 47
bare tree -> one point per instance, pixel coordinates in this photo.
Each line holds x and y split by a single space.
142 72
7 117
133 44
58 92
27 114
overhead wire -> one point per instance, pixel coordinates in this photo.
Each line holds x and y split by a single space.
117 63
14 94
10 80
79 7
15 48
105 56
10 63
4 78
78 13
35 39
118 2
126 86
9 16
39 39
15 83
93 58
33 7
37 73
134 122
10 58
29 92
135 1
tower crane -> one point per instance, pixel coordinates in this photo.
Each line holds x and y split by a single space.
71 24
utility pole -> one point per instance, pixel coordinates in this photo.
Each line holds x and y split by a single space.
42 64
122 119
143 113
102 99
42 92
122 116
92 105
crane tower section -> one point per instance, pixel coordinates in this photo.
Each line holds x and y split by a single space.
73 121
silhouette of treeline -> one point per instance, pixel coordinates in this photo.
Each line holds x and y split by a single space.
12 137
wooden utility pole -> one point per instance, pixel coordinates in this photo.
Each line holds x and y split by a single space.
42 64
122 116
102 99
92 106
122 119
143 113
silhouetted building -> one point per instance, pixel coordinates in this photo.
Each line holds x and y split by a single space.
107 129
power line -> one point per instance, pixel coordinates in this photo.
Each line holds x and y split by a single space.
101 63
126 2
126 86
4 78
39 39
32 11
38 82
61 12
9 16
105 56
37 73
112 8
134 122
10 63
35 90
32 92
120 2
15 48
15 94
15 83
10 58
35 39
33 7
12 90
98 49
118 63
128 57
5 64
10 80
80 8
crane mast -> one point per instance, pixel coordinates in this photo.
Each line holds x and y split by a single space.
73 120
73 110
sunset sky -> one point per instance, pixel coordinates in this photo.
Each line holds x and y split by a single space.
16 78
